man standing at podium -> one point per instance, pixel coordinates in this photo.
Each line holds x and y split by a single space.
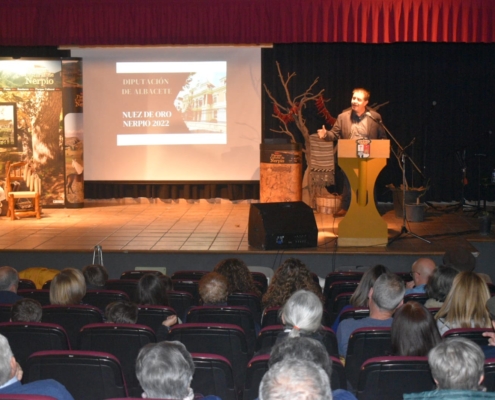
357 122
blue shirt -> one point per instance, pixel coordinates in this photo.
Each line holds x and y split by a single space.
46 387
347 326
416 289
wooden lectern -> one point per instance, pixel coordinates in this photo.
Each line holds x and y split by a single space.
363 225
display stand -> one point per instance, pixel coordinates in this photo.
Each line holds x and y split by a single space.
363 225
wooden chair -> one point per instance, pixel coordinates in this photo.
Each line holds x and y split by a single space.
20 172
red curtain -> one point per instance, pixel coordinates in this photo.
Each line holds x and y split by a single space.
142 22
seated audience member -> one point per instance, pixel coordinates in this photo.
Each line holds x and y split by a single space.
465 305
96 276
167 280
384 297
151 290
439 286
11 375
303 348
26 310
421 271
213 289
9 281
489 349
414 331
301 315
165 371
291 276
360 296
121 312
457 367
68 287
238 276
295 379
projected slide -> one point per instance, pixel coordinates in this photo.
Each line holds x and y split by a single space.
189 107
171 114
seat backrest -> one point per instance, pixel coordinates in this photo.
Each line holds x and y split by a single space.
136 275
235 315
153 316
26 338
474 334
365 343
339 276
248 300
489 381
188 275
42 295
181 302
101 298
5 312
72 319
270 317
256 369
418 297
125 285
190 286
391 377
338 378
337 288
122 341
86 375
342 300
355 313
213 375
26 284
222 339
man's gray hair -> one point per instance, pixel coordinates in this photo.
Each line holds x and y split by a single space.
295 379
165 370
5 359
8 277
457 363
388 291
303 312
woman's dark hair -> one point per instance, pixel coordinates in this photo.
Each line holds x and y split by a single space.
360 296
414 331
169 285
238 276
95 275
121 312
440 282
151 290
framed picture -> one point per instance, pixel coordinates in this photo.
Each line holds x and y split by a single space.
8 124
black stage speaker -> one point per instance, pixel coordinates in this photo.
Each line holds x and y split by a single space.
283 225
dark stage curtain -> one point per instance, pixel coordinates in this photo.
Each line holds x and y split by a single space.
441 95
147 22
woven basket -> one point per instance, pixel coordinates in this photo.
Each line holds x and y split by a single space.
328 204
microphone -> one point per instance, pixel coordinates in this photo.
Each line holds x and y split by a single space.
368 114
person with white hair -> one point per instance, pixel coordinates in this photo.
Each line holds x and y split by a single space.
457 367
384 297
11 375
295 379
165 371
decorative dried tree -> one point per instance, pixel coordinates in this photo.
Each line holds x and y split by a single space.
293 111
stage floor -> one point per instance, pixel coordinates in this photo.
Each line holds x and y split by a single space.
212 226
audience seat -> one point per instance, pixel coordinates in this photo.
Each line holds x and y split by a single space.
42 295
256 368
153 316
181 302
270 317
122 341
248 300
355 313
188 275
136 275
102 298
87 375
26 338
342 300
268 336
337 288
418 297
489 381
190 286
213 375
5 312
26 284
125 285
339 276
235 315
338 379
365 343
474 334
46 285
391 377
225 340
72 319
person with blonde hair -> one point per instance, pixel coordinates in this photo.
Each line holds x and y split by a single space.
464 306
68 287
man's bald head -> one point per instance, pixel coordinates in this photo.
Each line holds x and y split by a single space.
422 269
